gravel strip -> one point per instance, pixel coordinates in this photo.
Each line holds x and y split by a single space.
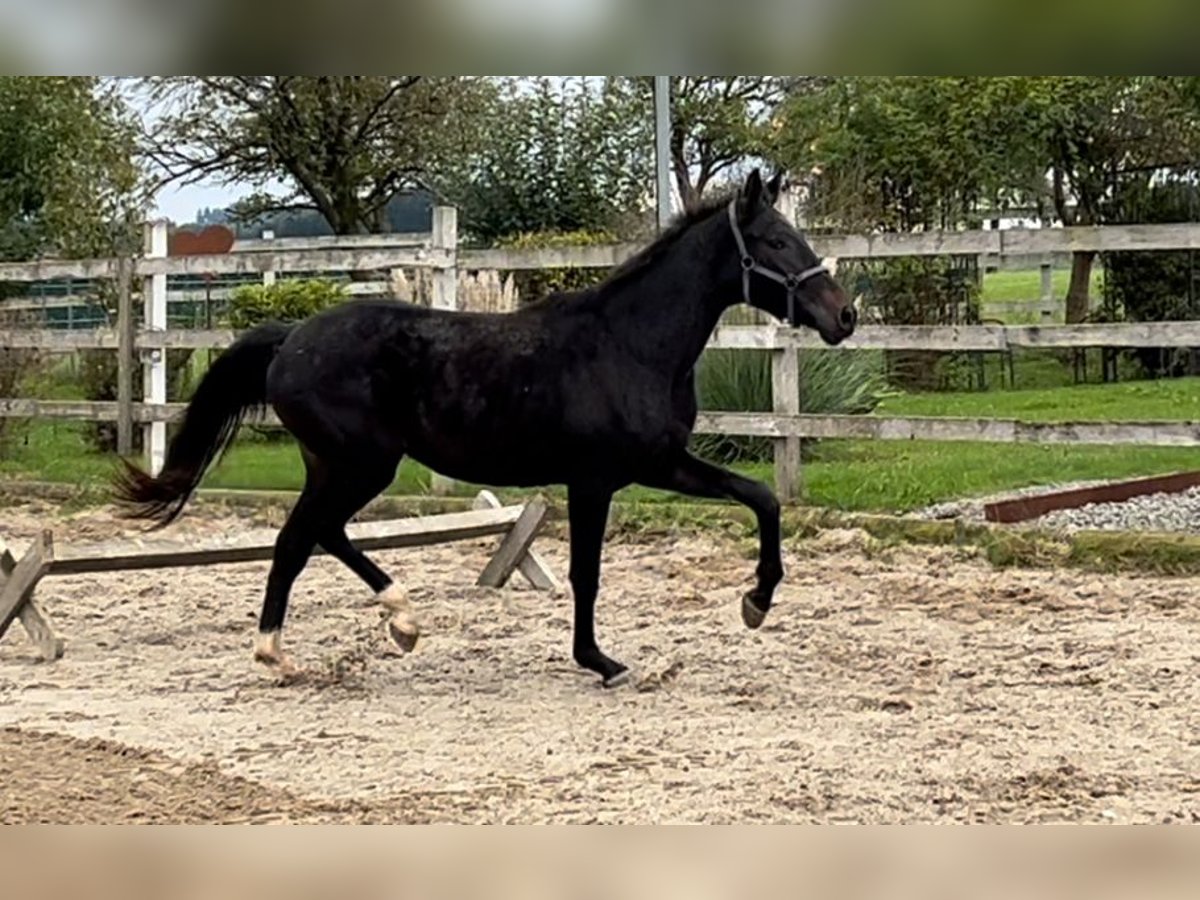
1149 512
1173 512
970 509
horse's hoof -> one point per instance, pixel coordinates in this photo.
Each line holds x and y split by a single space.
752 615
403 637
283 669
617 679
268 650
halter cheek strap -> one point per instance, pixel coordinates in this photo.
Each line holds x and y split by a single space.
791 281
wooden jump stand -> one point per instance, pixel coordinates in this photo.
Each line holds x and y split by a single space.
519 525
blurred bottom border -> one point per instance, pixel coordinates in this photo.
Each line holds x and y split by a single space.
569 862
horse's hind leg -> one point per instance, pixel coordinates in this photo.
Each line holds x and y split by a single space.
346 489
293 547
319 516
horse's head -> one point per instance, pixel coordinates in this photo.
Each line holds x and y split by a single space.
780 272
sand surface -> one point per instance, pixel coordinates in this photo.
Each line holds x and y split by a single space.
888 685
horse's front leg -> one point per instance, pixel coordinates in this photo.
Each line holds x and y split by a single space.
587 510
689 475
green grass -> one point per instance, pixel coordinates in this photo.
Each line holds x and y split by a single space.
901 475
1006 286
1174 399
895 476
1006 293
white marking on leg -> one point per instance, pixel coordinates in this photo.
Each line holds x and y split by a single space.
268 649
268 646
403 627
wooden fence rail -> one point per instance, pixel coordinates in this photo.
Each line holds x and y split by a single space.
948 338
772 425
379 252
438 252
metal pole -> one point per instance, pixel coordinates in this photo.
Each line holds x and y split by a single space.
662 147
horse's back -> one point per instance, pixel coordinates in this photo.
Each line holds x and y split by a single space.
525 397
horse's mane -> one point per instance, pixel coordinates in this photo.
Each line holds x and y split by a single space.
670 236
644 258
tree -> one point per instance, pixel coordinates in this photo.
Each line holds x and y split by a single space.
940 152
717 122
904 154
341 145
898 154
69 186
69 183
555 155
1094 132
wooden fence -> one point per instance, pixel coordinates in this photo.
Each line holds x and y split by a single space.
438 252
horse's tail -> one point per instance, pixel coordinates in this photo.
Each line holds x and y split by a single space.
233 385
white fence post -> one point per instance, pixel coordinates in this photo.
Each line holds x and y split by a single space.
444 293
154 362
269 275
785 396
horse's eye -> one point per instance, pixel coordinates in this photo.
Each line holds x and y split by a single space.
776 243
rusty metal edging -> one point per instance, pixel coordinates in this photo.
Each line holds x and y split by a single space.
1020 509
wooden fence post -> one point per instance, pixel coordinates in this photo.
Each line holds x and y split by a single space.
785 396
1046 305
154 361
444 293
125 358
445 237
269 275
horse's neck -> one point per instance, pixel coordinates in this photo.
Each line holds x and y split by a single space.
667 314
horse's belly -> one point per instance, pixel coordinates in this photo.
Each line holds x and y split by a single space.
491 462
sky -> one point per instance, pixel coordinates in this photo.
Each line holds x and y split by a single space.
179 204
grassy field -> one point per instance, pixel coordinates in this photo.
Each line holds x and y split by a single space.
843 474
1005 286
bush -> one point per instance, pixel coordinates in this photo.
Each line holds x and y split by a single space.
98 377
919 291
1155 286
290 300
831 382
534 284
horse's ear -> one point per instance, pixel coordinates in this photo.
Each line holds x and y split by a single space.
752 194
752 189
774 186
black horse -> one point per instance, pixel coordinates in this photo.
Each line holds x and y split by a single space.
592 389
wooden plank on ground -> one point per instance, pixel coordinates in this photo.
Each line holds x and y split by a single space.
532 566
24 578
514 546
1020 509
257 545
33 620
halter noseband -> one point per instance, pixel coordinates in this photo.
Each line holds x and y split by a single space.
790 281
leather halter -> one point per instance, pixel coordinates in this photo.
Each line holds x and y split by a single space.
790 280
